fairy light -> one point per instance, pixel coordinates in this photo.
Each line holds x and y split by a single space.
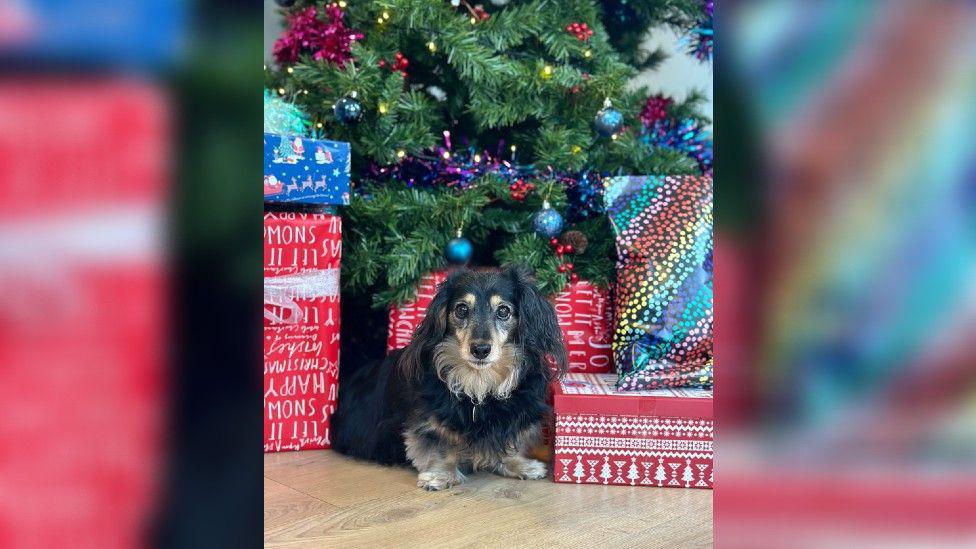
383 108
477 157
386 15
319 125
401 153
547 71
379 20
512 148
342 3
446 155
281 91
431 46
473 20
587 53
304 92
290 70
614 137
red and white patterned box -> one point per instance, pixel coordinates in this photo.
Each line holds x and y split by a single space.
584 315
585 318
301 328
634 438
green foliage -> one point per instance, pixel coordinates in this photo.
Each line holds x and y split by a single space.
518 76
395 234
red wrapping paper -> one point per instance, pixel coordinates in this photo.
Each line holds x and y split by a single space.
301 329
82 319
634 438
586 321
584 316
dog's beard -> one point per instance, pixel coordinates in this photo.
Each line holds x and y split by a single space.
460 377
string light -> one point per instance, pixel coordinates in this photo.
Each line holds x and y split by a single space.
477 157
587 53
547 71
386 15
379 20
290 70
281 91
512 148
614 136
401 153
473 20
319 125
383 108
446 154
577 149
304 92
431 46
342 3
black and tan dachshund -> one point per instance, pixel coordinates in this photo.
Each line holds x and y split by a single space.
468 393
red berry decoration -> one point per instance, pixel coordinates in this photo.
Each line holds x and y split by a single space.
568 248
574 277
569 266
562 268
554 242
560 250
519 189
582 31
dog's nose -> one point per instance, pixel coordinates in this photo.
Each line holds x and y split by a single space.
480 350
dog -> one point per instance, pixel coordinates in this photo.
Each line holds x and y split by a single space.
468 393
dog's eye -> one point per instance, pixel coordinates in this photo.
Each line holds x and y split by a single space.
503 312
461 310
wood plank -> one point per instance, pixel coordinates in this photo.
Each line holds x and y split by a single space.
284 505
369 505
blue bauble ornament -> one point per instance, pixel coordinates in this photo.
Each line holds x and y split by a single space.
348 110
547 221
458 250
608 120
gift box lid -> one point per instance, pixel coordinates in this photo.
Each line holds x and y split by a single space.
596 394
301 169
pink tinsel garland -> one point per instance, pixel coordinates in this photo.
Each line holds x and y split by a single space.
326 40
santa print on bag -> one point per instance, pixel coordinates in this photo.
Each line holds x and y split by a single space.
301 352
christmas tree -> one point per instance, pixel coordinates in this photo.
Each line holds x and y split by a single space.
466 120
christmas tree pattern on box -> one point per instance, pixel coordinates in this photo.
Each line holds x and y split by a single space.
661 437
310 171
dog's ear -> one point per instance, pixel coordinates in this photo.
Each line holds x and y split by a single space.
431 331
538 327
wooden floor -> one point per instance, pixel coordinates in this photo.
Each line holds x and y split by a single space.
323 499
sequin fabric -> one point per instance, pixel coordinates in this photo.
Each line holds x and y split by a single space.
663 298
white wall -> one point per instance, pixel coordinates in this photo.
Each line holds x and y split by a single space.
679 73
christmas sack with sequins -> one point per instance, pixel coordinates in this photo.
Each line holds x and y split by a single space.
663 295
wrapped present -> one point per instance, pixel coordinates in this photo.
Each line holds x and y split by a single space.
309 171
586 321
301 328
583 311
83 327
663 295
660 437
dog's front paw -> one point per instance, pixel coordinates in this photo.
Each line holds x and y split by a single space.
437 480
523 468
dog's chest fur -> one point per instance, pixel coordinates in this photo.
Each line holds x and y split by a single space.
494 424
